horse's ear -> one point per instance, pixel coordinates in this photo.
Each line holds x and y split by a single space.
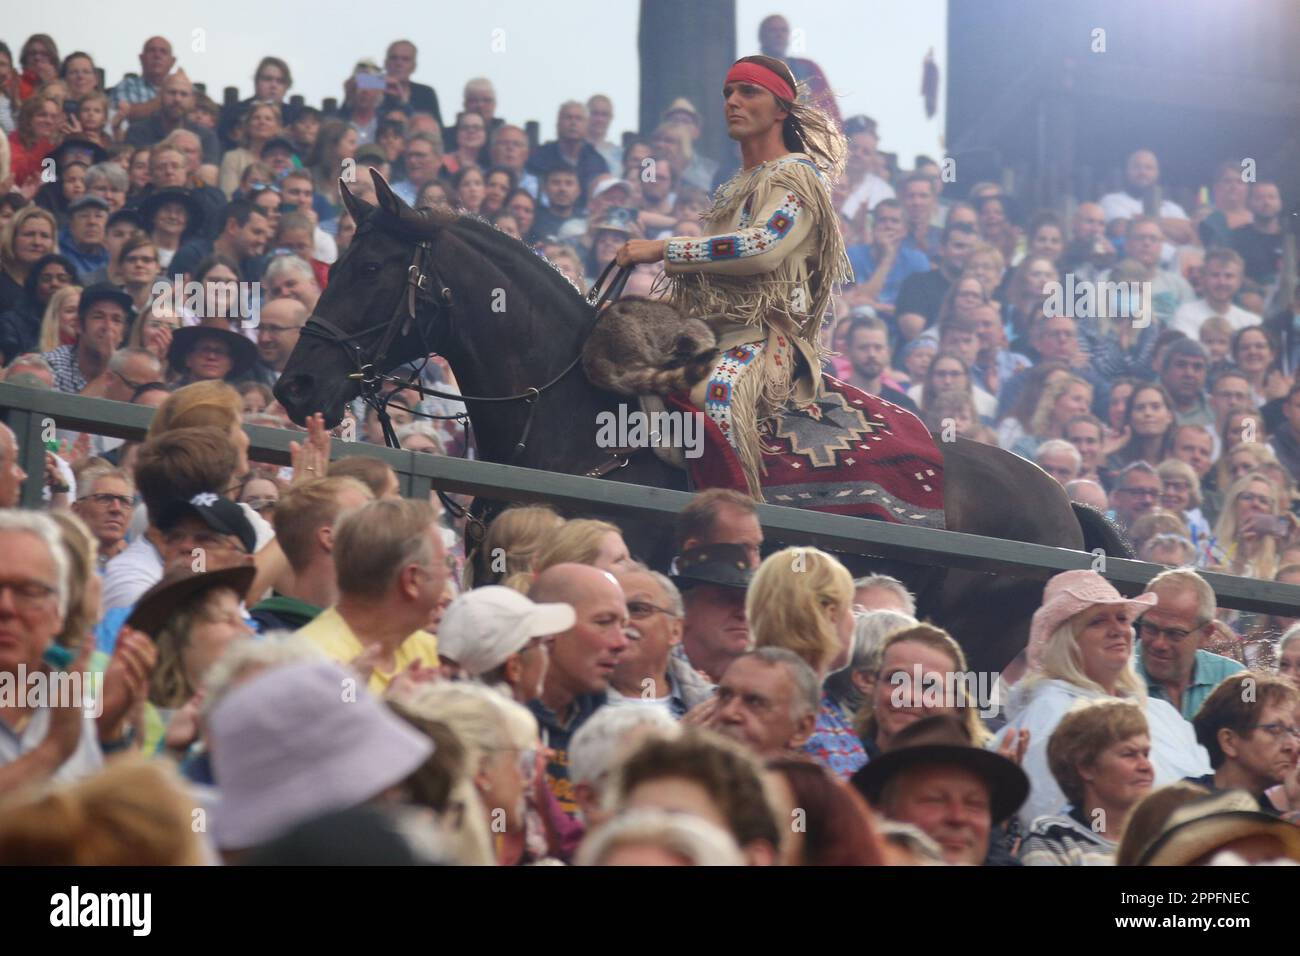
389 201
357 208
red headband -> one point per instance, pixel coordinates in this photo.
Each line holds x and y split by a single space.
747 71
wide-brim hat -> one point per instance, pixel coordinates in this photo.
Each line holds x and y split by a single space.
151 203
681 105
242 351
157 606
1209 823
298 741
1071 592
943 740
722 564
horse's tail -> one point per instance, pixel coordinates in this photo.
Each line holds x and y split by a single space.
1099 532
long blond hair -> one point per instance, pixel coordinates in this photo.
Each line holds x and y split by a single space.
1061 660
795 601
49 340
576 542
1262 453
1262 562
1041 421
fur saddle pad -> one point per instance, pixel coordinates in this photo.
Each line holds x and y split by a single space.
644 347
846 453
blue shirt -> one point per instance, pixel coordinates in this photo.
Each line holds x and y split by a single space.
833 743
1208 670
933 235
909 261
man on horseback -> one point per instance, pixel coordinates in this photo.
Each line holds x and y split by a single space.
763 274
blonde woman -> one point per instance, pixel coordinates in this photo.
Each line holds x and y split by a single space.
59 325
512 543
261 123
801 599
1064 398
586 541
1181 493
917 653
1252 527
152 330
31 234
1081 649
1240 460
502 755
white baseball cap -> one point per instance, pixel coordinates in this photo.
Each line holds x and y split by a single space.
482 628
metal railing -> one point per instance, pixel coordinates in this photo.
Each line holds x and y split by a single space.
31 413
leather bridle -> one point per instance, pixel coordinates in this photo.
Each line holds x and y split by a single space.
421 279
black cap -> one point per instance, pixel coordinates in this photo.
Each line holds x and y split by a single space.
220 514
104 291
723 564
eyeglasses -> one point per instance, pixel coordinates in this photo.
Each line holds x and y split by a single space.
126 381
640 610
1277 731
1175 634
28 594
106 499
264 187
141 260
1141 492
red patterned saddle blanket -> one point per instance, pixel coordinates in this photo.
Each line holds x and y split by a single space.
847 453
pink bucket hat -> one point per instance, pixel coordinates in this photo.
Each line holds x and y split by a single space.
1069 593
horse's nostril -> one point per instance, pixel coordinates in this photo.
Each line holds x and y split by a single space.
297 386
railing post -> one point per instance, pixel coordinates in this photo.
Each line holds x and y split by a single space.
27 427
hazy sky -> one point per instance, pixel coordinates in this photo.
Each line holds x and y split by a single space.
871 51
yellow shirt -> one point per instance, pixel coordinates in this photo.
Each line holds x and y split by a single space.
332 635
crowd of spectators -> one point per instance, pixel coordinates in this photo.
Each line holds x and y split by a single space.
320 666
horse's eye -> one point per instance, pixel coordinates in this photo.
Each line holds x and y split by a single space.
370 268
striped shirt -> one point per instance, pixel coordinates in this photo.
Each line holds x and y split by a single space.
1064 841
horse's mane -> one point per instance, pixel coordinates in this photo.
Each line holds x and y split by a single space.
534 272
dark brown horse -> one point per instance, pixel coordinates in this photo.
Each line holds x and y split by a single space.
507 321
